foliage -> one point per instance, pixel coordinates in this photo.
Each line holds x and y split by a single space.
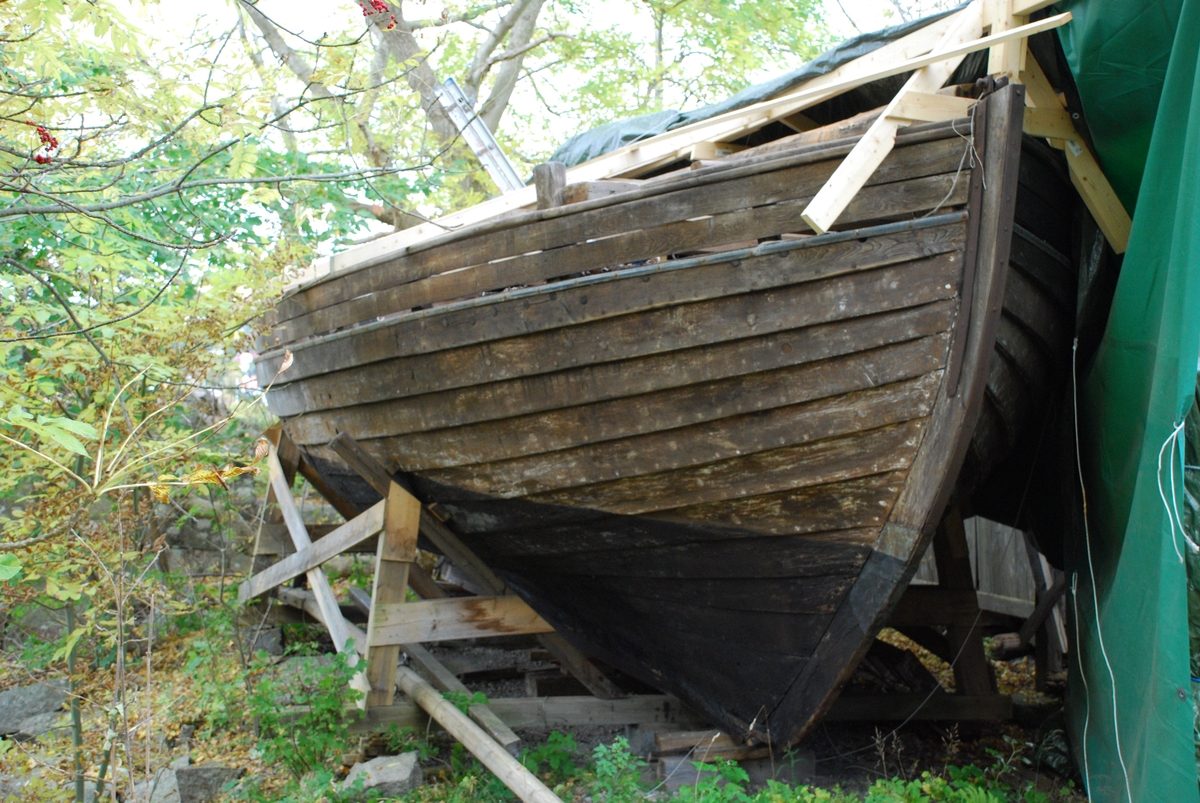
316 729
617 773
464 700
554 759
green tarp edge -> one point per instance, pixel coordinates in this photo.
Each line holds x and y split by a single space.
1139 388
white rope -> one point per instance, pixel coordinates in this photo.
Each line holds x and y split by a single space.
1173 507
1087 692
1087 539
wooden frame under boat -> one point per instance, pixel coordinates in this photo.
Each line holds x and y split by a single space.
708 447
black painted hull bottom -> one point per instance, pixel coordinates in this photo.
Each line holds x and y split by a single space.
726 619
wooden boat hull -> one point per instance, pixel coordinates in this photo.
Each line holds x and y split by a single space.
714 467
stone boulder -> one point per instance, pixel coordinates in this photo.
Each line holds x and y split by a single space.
387 776
204 783
25 702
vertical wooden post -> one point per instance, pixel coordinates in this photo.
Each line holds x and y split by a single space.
549 179
972 672
395 555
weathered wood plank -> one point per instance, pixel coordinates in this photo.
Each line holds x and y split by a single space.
506 398
737 213
707 195
353 532
397 552
654 331
691 405
454 618
850 511
703 444
885 449
552 712
445 680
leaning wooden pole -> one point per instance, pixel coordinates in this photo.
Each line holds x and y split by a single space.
521 781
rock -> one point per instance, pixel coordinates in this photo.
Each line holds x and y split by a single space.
387 776
34 726
203 784
268 639
20 704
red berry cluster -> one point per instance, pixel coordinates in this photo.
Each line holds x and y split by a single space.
379 7
49 149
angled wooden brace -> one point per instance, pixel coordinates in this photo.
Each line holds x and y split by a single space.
1049 119
331 614
880 138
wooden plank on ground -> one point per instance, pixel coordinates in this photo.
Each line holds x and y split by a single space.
349 534
454 618
445 680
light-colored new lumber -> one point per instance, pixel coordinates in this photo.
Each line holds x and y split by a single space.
1009 58
445 680
454 618
870 151
396 552
904 55
1089 180
1023 8
353 532
1049 123
929 107
521 781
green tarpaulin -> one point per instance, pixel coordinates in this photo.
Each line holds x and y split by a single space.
1137 70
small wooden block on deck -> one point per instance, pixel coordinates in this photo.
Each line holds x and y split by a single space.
455 618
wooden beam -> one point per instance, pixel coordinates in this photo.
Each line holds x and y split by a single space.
317 582
1086 175
521 781
972 672
397 551
1026 7
478 572
929 107
454 618
870 151
306 601
547 713
1050 123
353 532
445 680
903 55
549 180
1008 58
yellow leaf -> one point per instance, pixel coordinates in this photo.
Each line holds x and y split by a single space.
262 447
205 476
161 493
234 471
287 361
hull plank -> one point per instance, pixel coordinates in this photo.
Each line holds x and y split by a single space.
706 447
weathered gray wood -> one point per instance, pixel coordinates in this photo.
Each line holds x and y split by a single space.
590 190
396 555
353 532
647 241
703 444
695 404
514 775
549 179
453 618
445 680
655 203
888 448
587 302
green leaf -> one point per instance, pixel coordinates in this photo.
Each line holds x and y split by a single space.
10 567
